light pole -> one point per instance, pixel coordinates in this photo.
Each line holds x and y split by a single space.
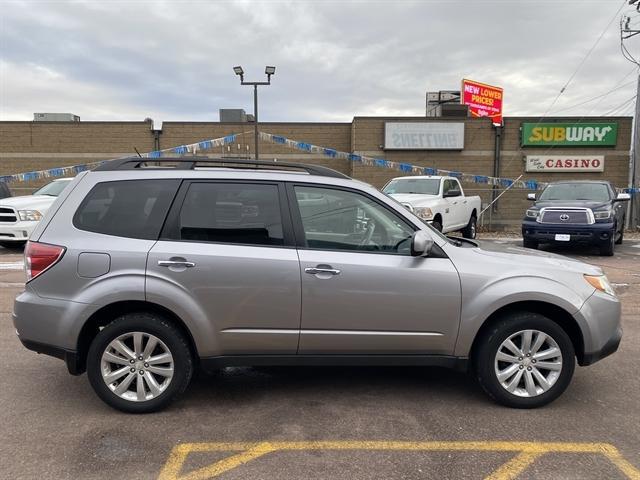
268 71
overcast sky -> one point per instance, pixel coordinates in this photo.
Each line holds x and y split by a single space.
172 60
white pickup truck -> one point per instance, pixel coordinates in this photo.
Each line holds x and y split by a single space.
20 215
437 200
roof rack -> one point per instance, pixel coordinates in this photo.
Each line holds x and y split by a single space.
190 163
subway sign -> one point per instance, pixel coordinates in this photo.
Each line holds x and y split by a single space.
569 134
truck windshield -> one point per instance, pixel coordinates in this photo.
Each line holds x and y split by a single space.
52 189
425 186
597 192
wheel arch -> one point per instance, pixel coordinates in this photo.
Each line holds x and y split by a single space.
107 313
553 312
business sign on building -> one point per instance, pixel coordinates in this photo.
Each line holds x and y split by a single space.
423 136
569 134
483 100
565 163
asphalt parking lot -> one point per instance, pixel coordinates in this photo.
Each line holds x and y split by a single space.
313 423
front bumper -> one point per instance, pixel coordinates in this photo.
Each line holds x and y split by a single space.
599 320
594 234
16 232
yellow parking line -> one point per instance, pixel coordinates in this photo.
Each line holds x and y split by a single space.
514 467
527 454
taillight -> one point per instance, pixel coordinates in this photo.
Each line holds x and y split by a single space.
40 256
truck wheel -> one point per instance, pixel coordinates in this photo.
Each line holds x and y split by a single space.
139 363
525 361
437 224
607 249
529 244
621 237
470 230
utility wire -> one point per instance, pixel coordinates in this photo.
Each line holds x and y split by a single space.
633 82
584 59
622 105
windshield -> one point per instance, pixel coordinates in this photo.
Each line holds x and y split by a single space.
597 192
52 189
428 186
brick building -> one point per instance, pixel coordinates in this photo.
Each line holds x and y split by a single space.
27 146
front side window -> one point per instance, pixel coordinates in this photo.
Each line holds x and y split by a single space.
423 186
343 220
128 208
231 213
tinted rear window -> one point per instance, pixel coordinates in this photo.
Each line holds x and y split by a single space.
129 208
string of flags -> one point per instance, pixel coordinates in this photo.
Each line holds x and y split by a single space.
194 148
413 169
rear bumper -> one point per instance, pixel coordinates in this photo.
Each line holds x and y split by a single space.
594 234
70 357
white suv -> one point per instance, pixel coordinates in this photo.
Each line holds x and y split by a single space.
20 215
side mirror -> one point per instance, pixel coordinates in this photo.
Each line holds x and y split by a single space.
421 244
531 196
623 197
452 193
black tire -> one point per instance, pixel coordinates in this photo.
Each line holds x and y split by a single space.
437 224
13 245
490 342
621 237
168 334
606 250
470 230
530 244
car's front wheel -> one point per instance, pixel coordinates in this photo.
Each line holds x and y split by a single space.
139 363
525 360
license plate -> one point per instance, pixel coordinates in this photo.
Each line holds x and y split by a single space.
562 237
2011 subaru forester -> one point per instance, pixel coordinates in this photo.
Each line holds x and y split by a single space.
139 275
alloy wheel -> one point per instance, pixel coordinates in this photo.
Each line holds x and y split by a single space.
528 363
137 366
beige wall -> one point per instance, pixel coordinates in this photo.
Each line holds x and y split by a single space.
27 146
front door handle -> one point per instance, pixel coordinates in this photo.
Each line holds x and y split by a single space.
318 269
175 263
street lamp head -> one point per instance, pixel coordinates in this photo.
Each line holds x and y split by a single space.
270 70
238 70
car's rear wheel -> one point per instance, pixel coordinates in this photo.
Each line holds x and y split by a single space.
525 361
470 230
139 363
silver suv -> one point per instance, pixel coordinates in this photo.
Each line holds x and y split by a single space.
138 275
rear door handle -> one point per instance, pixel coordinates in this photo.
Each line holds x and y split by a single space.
316 270
175 263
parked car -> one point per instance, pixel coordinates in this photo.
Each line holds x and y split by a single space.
140 275
577 212
438 200
20 215
5 192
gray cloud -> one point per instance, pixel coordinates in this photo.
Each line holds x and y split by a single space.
335 59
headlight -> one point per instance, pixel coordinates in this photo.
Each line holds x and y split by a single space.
424 213
29 215
532 213
602 214
600 282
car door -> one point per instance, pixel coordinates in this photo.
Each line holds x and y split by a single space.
454 204
362 291
226 257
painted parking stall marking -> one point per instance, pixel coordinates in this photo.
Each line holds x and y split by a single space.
525 453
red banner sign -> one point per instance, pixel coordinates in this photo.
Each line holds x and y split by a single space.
483 100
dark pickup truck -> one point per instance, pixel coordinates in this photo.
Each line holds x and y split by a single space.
585 212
